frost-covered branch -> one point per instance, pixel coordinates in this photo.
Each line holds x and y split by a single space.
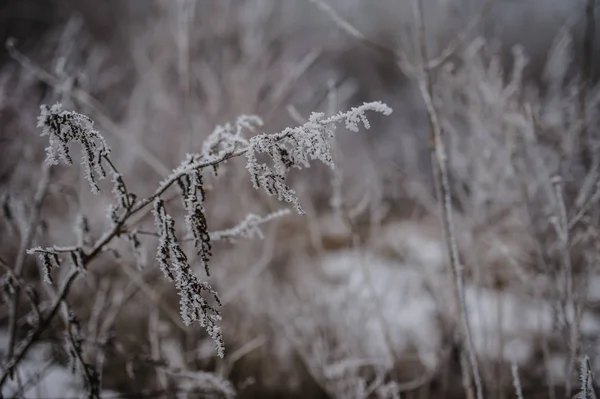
66 127
77 362
249 227
291 148
586 379
175 266
296 147
9 368
442 181
50 259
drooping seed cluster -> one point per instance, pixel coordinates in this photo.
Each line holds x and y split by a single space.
175 266
296 147
65 127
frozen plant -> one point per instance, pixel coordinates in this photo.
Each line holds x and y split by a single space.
586 379
514 369
65 127
174 264
295 147
249 227
291 148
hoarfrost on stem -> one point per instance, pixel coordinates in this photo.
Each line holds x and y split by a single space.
296 147
175 265
65 127
228 138
291 148
249 227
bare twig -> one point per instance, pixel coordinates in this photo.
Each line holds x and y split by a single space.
22 285
590 151
458 41
26 238
440 167
570 307
461 38
154 338
76 352
9 368
516 381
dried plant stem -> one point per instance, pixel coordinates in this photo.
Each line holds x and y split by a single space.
89 374
97 157
590 151
87 258
26 238
341 208
461 38
586 74
154 339
22 285
455 44
586 380
9 369
516 381
97 249
442 180
139 206
570 307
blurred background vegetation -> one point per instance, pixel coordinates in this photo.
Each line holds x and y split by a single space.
352 300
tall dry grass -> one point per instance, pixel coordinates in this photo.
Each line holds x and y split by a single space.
355 299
